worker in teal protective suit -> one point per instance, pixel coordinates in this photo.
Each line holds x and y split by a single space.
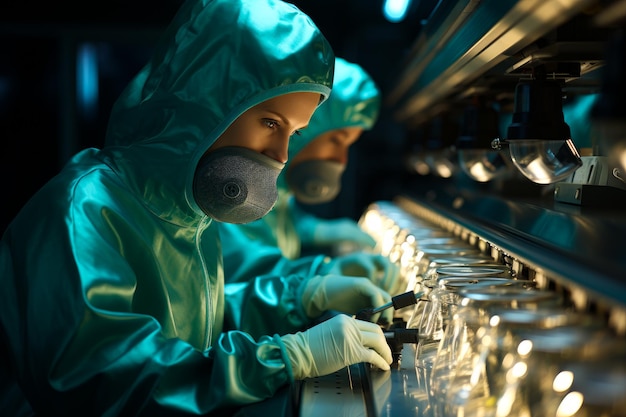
317 159
113 299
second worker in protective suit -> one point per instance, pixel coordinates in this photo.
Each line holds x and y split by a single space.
113 300
312 175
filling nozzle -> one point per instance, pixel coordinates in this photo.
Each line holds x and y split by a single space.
396 336
397 302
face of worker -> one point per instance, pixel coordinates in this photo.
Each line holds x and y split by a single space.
314 174
267 127
330 146
235 181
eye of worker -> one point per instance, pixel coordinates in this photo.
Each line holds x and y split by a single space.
267 127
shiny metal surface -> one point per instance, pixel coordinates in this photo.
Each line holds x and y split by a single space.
399 392
559 251
343 393
577 249
464 40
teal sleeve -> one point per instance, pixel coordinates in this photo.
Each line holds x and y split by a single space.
323 235
94 323
305 224
266 305
247 256
75 358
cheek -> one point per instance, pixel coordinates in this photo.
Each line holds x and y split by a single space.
228 138
238 135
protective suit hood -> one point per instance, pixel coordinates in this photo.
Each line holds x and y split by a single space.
354 102
218 59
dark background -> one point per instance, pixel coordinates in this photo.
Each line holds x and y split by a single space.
42 124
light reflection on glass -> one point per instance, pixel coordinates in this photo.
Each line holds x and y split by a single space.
513 378
545 161
525 347
442 163
484 165
417 162
508 361
563 381
570 404
445 169
519 370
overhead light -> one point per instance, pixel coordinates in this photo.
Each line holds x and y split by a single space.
539 140
478 160
87 79
395 10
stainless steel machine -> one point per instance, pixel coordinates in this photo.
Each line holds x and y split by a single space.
557 251
515 151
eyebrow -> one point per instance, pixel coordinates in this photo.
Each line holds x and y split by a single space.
283 119
340 133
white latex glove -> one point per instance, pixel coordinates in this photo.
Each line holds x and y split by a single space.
334 344
331 232
344 294
378 268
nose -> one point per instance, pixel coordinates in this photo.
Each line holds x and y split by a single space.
278 149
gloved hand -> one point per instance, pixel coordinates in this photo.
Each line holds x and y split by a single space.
338 342
378 268
344 294
335 231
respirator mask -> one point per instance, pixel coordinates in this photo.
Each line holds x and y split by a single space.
315 181
236 185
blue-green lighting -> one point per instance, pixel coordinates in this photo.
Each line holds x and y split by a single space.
87 79
395 10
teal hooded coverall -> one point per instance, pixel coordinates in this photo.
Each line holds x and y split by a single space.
272 244
112 298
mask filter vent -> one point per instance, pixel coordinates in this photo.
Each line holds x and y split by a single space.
315 181
236 185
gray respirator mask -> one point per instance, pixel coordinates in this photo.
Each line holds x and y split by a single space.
315 181
236 185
